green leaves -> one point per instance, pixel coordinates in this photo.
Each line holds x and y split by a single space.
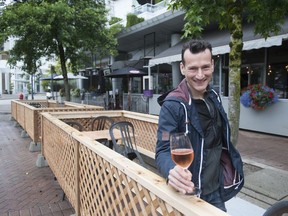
45 28
266 15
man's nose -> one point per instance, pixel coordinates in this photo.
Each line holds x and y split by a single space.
200 73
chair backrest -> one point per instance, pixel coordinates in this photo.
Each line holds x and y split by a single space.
128 140
101 123
75 125
277 209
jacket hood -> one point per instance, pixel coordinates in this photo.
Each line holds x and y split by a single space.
181 92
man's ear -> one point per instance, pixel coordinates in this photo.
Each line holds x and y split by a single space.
182 68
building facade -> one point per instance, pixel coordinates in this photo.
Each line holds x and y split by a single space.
263 61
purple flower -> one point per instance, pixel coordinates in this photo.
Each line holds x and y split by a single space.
245 99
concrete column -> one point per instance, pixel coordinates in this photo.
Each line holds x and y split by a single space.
1 87
176 74
80 84
7 82
114 83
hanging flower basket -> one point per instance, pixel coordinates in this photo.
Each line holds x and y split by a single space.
258 96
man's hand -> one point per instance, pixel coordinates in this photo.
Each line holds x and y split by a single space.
180 179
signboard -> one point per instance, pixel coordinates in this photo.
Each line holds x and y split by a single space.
107 71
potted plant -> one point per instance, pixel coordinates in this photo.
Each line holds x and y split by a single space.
258 96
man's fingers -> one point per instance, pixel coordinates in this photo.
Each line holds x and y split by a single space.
181 181
176 186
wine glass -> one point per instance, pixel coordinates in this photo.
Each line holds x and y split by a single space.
182 153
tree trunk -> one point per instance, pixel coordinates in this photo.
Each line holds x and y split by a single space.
64 71
236 44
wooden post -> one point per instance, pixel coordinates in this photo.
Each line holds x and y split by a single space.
77 187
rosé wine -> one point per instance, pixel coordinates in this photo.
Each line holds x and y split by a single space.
182 157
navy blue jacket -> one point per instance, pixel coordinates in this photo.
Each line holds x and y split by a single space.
179 114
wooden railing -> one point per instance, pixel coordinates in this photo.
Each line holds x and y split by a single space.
99 181
145 125
27 113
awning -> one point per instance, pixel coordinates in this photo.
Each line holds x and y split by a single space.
173 54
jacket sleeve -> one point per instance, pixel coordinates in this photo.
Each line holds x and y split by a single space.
168 122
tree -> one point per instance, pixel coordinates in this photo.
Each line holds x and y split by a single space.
54 27
267 17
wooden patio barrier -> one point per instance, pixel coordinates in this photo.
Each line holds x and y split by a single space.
99 181
145 125
26 113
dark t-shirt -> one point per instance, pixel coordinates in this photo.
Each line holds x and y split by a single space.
211 124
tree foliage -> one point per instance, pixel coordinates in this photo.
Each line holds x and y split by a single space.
65 28
266 15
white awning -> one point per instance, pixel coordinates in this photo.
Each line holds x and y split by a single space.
173 54
261 43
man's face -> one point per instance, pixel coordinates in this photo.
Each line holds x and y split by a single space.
198 70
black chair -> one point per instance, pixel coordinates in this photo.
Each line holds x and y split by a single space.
278 209
105 142
75 125
128 139
101 123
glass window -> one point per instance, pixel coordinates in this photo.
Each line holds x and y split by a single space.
216 74
254 71
137 85
164 81
277 78
251 74
225 74
252 68
277 69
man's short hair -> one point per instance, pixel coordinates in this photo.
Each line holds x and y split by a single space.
195 46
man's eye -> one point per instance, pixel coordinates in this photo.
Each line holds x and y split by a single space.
193 70
206 68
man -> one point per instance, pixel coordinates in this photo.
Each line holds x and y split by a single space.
194 107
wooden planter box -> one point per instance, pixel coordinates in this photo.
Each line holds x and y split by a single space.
27 113
99 181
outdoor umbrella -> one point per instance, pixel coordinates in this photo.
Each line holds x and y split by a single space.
127 72
49 78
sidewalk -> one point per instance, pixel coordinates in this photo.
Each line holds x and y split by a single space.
266 168
24 188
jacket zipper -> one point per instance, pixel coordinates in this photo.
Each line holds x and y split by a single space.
202 147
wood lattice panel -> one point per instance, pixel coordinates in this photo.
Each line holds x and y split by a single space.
146 134
106 190
85 122
59 151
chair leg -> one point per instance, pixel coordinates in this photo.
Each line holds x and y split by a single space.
140 159
110 144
